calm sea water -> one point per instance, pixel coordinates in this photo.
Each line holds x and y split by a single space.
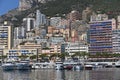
101 74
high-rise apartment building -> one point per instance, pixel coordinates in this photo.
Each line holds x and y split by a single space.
6 37
19 33
29 23
101 36
40 19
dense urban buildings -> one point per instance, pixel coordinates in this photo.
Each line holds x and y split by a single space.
86 31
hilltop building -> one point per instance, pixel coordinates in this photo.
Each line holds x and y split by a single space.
74 15
118 22
86 14
54 21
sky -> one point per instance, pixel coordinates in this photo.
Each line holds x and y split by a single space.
6 5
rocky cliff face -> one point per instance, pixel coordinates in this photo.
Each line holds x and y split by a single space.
26 4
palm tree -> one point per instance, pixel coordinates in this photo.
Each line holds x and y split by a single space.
84 54
54 55
44 57
33 57
116 55
4 56
23 56
98 55
63 56
81 54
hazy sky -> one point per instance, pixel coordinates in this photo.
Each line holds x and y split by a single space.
6 5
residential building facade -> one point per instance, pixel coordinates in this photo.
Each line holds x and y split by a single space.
6 37
116 41
73 47
100 34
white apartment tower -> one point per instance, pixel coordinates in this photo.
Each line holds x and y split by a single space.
29 23
40 19
19 33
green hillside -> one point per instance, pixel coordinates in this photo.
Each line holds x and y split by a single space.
65 6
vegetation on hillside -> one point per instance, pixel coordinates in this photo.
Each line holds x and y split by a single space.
65 6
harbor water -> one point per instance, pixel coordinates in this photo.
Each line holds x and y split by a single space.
42 74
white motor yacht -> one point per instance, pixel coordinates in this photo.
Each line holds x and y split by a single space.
8 66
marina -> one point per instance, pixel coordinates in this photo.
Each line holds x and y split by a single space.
60 65
60 70
43 65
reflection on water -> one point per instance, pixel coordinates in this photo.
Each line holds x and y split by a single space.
103 74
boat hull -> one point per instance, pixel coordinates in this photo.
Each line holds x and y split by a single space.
8 67
23 67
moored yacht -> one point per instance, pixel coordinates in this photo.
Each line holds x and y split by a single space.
78 67
43 65
59 65
8 66
70 64
23 65
88 66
